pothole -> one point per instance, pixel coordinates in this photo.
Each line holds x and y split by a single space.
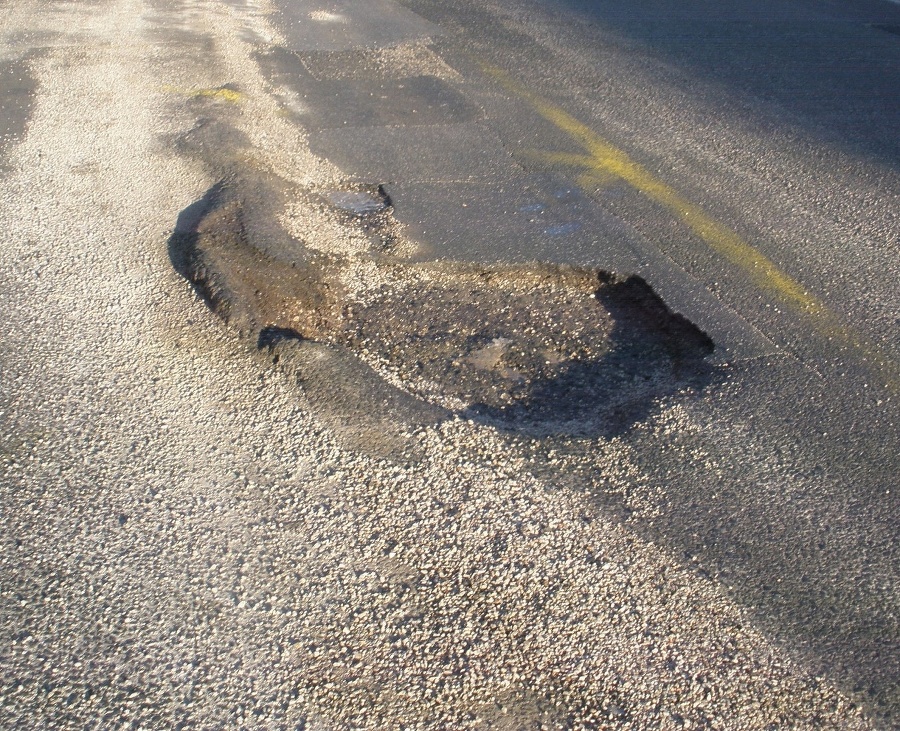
361 201
539 348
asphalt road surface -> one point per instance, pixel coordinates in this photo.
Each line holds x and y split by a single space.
449 364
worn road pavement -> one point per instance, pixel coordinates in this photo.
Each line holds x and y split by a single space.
211 524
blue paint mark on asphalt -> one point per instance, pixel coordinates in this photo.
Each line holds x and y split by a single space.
563 229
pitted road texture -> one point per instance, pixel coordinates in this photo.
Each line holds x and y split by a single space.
204 531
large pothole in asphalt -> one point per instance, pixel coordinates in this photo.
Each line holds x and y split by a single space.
540 348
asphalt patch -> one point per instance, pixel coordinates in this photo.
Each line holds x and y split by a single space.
334 103
347 25
443 153
524 218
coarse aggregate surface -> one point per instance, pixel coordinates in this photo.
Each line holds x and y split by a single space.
192 538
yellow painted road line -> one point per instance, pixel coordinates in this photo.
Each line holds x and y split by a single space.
222 93
603 160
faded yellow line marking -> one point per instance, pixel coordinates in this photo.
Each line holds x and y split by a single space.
222 93
603 160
